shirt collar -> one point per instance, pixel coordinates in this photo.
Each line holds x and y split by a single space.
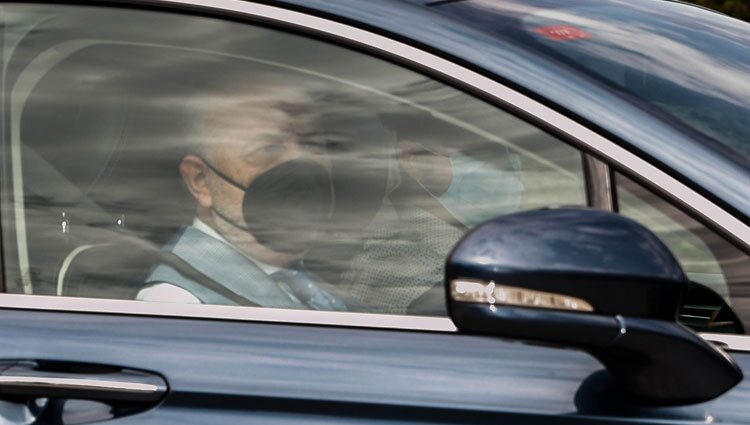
205 228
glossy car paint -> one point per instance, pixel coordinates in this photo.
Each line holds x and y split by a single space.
225 372
230 372
568 242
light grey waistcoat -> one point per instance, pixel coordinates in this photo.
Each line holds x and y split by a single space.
224 264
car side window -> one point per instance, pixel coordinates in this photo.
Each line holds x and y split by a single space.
707 258
175 158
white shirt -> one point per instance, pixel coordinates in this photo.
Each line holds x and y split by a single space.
168 293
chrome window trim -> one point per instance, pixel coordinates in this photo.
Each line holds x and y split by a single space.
585 137
225 312
268 315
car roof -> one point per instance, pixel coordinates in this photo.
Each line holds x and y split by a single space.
449 28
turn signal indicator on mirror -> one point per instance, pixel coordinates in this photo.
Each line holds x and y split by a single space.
481 292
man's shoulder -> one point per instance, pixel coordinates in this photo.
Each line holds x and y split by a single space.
221 263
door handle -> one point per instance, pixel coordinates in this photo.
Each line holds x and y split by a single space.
76 381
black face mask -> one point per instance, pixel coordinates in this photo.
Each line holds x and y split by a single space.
285 207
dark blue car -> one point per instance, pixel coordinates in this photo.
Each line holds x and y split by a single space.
371 212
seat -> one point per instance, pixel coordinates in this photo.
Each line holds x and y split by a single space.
101 165
106 270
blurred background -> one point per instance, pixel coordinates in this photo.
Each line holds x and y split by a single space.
737 8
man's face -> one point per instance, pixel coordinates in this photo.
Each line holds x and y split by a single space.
244 146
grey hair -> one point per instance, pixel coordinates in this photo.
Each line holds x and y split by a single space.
209 111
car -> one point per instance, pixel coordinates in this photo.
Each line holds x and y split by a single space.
345 211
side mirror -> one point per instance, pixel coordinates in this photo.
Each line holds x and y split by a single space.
591 280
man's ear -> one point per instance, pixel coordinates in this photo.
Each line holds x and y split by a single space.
195 175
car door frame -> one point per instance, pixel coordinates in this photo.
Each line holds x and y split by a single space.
576 134
596 149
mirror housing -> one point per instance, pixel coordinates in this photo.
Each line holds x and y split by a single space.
591 280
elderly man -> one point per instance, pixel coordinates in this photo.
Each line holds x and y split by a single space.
260 201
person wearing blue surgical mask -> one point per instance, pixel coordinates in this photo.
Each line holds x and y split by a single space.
480 191
471 190
442 192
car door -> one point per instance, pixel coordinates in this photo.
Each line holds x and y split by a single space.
102 106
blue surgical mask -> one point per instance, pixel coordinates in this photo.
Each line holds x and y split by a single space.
479 191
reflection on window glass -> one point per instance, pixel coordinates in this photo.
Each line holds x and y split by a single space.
182 159
706 258
691 65
683 61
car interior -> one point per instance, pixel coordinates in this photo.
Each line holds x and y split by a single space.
104 193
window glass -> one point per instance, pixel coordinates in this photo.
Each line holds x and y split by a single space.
706 258
172 158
